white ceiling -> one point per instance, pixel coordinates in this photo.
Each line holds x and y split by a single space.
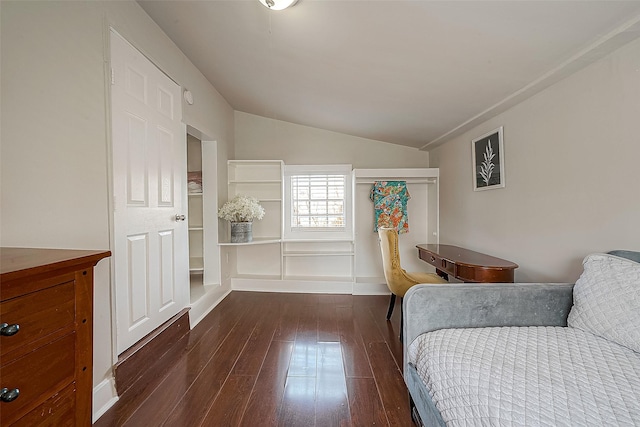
407 72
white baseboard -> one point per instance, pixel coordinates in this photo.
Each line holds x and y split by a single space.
104 397
370 289
204 305
307 286
290 286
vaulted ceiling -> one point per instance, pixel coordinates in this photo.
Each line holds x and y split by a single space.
414 73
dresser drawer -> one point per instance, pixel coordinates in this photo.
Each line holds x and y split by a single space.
38 314
58 411
38 375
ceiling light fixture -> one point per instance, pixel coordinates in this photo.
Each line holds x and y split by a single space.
278 4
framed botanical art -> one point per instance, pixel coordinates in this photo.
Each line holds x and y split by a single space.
487 152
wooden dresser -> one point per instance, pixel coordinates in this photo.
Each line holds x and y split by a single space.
46 342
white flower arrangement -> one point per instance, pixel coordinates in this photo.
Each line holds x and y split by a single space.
241 209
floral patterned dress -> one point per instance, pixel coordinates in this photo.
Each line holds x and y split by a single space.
390 205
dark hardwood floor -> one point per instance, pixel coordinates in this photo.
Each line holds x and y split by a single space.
273 359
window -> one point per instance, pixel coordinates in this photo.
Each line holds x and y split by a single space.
318 202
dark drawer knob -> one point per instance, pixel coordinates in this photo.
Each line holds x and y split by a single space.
7 395
8 330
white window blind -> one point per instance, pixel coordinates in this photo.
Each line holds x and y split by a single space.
318 202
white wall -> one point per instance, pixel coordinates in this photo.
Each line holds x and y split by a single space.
261 138
572 157
55 128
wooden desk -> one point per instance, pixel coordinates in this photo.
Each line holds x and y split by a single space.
466 265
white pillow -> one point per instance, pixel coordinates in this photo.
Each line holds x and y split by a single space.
606 300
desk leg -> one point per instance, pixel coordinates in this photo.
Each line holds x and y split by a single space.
442 274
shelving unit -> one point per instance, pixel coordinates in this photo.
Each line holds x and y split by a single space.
256 241
328 260
194 213
196 232
352 265
204 252
262 179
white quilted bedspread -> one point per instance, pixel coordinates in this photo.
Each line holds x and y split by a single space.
529 376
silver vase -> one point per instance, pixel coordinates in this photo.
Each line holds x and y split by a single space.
241 232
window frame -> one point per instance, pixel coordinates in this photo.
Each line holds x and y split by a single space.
321 233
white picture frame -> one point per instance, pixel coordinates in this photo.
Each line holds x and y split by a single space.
487 154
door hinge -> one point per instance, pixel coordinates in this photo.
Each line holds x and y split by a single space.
113 77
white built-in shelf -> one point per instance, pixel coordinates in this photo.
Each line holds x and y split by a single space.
320 278
321 265
409 175
196 264
401 174
196 228
194 194
261 179
318 241
317 253
255 162
408 181
256 181
258 276
256 241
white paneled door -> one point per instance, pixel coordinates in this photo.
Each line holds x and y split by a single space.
149 168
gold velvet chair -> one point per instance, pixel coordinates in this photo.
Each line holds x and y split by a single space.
398 280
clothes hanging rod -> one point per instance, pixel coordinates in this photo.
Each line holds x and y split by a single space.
408 181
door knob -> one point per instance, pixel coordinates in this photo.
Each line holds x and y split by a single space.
180 217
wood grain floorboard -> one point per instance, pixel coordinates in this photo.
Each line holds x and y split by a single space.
391 387
332 401
365 404
134 397
288 321
157 407
266 396
228 407
268 359
298 402
252 356
356 361
308 324
366 325
390 330
328 323
198 398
